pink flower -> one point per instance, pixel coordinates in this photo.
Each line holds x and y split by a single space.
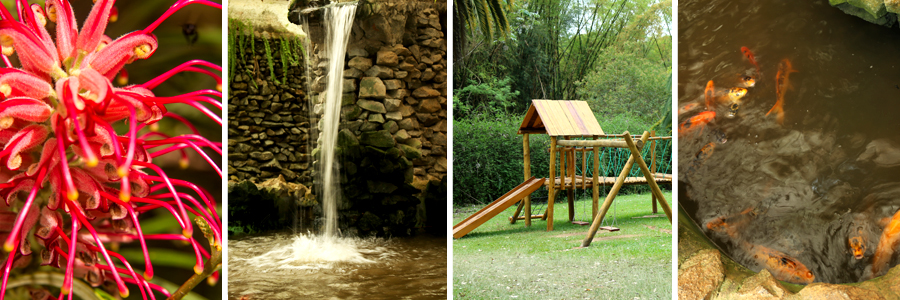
68 177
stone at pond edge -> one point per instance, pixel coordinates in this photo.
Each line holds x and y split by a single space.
700 275
761 285
380 138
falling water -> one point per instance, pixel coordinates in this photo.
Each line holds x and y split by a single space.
338 20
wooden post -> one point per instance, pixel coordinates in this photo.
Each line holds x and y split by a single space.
596 187
551 195
570 191
526 150
653 164
583 168
611 196
636 154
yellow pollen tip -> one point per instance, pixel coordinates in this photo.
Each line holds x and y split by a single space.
8 51
125 197
72 195
154 127
113 18
211 281
6 122
184 163
187 232
122 80
198 269
124 293
92 162
142 51
123 172
66 290
148 276
8 247
219 87
51 13
6 89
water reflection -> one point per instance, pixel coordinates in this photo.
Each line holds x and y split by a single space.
819 188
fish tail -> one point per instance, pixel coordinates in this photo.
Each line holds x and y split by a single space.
778 109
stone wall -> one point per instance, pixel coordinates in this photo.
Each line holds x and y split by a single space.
268 120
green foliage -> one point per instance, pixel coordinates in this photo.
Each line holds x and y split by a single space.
626 81
488 97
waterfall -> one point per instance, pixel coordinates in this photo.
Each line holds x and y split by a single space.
338 20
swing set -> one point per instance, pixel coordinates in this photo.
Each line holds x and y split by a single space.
565 121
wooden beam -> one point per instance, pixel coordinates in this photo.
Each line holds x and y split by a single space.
523 217
610 197
654 188
595 143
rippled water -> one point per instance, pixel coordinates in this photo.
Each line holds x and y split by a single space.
287 266
830 172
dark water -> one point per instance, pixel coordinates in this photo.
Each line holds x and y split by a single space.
831 171
399 268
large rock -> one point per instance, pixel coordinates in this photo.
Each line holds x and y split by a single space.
387 58
380 138
370 105
372 87
425 92
360 63
700 275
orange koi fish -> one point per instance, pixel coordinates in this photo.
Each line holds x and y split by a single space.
749 55
781 84
733 97
782 266
857 246
698 121
748 81
730 224
709 94
687 108
886 245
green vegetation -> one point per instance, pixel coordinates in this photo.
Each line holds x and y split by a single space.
511 261
241 35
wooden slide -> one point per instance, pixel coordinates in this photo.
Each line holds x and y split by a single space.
509 199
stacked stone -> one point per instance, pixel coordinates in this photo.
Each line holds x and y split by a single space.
268 121
393 131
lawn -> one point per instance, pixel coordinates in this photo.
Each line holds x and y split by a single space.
499 260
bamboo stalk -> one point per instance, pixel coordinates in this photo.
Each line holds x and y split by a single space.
636 154
611 196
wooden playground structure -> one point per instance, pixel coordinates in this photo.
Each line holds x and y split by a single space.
563 121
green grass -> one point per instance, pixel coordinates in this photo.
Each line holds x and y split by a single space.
499 260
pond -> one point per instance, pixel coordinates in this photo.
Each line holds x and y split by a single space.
806 193
289 266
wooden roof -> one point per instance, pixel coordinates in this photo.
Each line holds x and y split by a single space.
560 118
